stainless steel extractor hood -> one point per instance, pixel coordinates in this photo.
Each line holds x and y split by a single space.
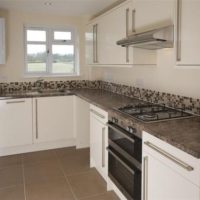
158 38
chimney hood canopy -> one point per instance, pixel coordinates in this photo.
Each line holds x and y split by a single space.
158 38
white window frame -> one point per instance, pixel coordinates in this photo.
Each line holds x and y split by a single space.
49 43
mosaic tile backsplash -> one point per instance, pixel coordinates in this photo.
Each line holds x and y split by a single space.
175 101
171 100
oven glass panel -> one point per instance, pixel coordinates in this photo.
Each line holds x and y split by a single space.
129 183
132 146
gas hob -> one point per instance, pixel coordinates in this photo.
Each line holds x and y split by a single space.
149 112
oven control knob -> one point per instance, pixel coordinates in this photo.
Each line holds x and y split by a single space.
114 120
131 129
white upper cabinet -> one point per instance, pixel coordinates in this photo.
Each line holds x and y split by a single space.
188 32
112 27
2 41
150 13
103 33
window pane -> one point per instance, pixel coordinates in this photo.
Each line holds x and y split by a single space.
61 35
63 59
36 58
36 36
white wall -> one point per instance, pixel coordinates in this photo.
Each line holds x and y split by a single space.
164 77
15 21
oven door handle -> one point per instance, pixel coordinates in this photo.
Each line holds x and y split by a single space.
121 133
121 161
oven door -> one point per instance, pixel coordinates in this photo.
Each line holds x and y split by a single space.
125 175
126 143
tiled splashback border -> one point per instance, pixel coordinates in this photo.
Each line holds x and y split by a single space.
31 86
175 101
171 100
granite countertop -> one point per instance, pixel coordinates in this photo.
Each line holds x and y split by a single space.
181 133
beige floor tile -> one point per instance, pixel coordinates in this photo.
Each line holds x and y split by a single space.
7 161
11 176
13 193
65 151
106 196
39 156
42 172
87 184
58 190
77 162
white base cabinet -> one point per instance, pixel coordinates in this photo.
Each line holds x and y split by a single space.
82 122
53 118
99 140
168 173
15 122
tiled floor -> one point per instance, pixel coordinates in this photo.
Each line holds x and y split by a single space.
61 174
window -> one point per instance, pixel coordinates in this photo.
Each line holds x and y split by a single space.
50 51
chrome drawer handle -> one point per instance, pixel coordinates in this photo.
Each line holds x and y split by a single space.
13 102
96 113
169 156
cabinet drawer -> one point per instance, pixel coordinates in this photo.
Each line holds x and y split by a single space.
181 162
102 115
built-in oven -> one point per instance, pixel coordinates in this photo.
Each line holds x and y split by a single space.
125 158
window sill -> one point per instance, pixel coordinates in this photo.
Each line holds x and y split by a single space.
51 76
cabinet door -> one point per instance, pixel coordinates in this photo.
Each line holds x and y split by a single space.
112 27
98 144
151 13
163 183
54 118
188 31
15 122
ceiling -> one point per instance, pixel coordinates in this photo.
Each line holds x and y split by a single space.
64 7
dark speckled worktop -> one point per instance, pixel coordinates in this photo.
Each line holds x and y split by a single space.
181 133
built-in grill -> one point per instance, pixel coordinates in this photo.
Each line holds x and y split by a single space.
149 112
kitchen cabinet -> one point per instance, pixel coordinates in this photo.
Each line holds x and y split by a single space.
15 122
82 123
53 118
150 13
2 41
168 173
103 33
99 140
187 33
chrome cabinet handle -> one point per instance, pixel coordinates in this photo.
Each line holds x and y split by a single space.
121 133
145 178
127 55
96 43
179 21
96 113
103 146
14 102
36 114
133 20
121 161
127 21
169 156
